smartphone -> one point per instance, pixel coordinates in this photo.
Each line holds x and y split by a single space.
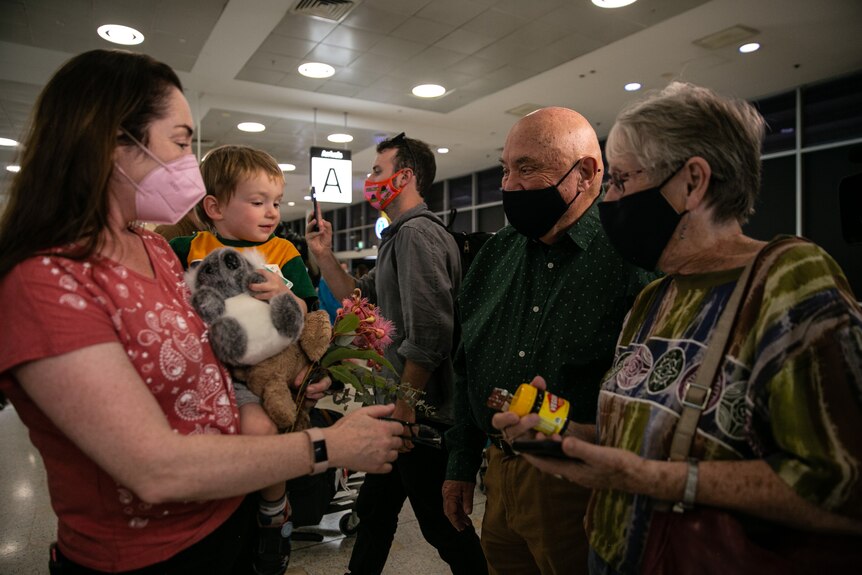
542 448
312 225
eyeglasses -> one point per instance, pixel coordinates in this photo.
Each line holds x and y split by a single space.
618 180
419 433
401 140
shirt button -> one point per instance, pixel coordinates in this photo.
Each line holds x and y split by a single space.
550 265
535 308
521 354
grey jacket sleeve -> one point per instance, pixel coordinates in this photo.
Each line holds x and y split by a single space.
428 276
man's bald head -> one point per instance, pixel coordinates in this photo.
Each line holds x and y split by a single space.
558 132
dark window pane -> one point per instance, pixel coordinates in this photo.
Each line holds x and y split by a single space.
821 174
461 192
463 221
434 199
370 237
780 115
832 111
357 215
491 219
488 185
775 208
340 241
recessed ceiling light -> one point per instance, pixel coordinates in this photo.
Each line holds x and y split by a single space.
613 3
750 47
339 138
291 204
633 87
251 127
429 90
442 150
8 142
120 34
306 198
316 70
13 168
287 167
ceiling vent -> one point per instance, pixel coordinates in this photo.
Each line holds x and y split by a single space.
524 109
727 37
330 10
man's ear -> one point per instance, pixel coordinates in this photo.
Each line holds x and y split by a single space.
589 169
697 174
212 208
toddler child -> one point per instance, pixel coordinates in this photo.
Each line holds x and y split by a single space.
244 188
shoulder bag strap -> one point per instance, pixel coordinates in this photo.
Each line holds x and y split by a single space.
697 393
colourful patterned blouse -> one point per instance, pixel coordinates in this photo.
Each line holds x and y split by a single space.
789 390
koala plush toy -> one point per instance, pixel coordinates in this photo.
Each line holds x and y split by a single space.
266 344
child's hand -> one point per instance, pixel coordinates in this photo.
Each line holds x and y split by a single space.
273 286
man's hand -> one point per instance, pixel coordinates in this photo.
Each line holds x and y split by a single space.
320 239
404 412
458 503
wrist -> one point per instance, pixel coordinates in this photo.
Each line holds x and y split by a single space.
319 451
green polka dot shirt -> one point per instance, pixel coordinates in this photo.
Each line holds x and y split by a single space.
531 309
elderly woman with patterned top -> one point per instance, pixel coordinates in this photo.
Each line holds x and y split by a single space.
103 356
772 400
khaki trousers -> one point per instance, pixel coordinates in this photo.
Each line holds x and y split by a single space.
534 522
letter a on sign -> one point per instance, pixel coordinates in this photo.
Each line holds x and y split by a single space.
329 168
331 176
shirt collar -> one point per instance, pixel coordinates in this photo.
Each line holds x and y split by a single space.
587 226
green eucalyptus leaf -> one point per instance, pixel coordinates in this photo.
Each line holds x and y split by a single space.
347 324
344 375
343 353
344 340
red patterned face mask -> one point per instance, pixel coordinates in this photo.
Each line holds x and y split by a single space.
380 194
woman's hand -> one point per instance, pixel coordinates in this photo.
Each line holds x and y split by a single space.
363 442
594 466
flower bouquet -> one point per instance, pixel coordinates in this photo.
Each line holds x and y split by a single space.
355 358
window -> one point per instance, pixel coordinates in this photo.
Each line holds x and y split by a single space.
491 219
461 192
434 199
780 115
832 111
488 185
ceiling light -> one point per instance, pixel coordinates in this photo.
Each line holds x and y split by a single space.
291 204
632 86
613 3
306 198
750 47
251 127
442 150
120 34
13 168
8 142
316 70
339 138
287 167
429 90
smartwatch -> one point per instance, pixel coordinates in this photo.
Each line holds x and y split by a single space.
319 457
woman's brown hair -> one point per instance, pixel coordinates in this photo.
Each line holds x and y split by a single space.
60 195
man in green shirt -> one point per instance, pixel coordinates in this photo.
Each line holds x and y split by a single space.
545 296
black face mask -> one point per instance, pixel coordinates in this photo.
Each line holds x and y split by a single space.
640 225
534 212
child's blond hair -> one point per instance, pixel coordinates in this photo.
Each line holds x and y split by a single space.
223 168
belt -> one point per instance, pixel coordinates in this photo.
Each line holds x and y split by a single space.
500 444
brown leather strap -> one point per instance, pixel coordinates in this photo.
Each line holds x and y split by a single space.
697 393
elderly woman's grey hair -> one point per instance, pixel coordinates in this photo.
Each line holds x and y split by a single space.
668 127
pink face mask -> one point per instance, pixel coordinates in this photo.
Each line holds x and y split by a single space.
380 194
168 192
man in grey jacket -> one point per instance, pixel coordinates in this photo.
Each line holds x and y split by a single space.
414 284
